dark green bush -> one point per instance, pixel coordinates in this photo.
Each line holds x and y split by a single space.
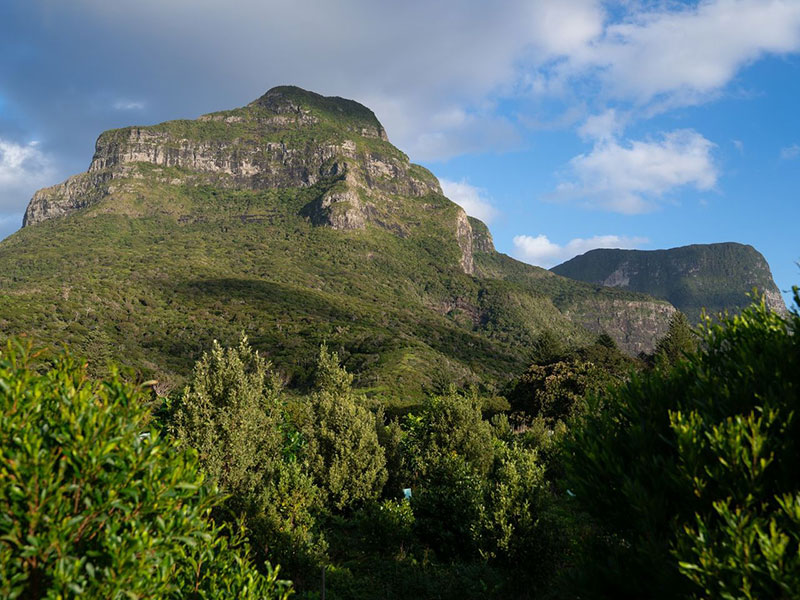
346 460
554 389
447 425
691 474
679 342
447 507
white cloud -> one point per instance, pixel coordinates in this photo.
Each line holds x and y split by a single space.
23 168
472 199
444 135
605 126
541 251
688 53
431 71
790 152
629 177
123 104
428 70
739 145
565 27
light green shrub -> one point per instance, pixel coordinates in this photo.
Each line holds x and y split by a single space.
96 503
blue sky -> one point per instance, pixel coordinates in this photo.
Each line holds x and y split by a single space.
565 124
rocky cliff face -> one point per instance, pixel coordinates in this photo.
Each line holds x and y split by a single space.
481 237
77 192
715 277
635 325
288 138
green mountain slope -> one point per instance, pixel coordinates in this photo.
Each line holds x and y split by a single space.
294 220
716 277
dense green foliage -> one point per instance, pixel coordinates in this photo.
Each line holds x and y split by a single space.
711 277
153 292
480 501
95 502
232 413
607 478
343 451
553 389
679 342
690 473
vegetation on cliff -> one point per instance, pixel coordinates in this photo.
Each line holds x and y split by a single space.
714 277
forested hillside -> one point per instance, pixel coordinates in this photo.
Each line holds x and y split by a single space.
606 478
292 219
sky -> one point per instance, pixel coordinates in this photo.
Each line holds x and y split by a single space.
565 125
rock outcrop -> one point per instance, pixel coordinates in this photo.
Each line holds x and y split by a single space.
464 238
77 192
481 237
635 325
287 138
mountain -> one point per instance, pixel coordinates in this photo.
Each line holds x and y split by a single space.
294 220
716 277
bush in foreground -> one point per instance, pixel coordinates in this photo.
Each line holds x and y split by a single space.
94 502
691 473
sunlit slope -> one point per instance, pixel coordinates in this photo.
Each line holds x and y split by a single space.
316 230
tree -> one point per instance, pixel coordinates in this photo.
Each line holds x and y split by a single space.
678 342
346 460
451 424
94 501
690 473
232 413
554 390
447 453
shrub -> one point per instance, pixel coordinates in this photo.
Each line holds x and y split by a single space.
346 459
95 502
231 414
451 424
691 473
447 507
386 528
555 390
514 499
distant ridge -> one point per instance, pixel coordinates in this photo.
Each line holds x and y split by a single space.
716 277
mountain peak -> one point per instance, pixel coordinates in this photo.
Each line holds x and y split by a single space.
349 113
287 138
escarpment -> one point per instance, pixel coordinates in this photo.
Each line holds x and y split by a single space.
286 138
